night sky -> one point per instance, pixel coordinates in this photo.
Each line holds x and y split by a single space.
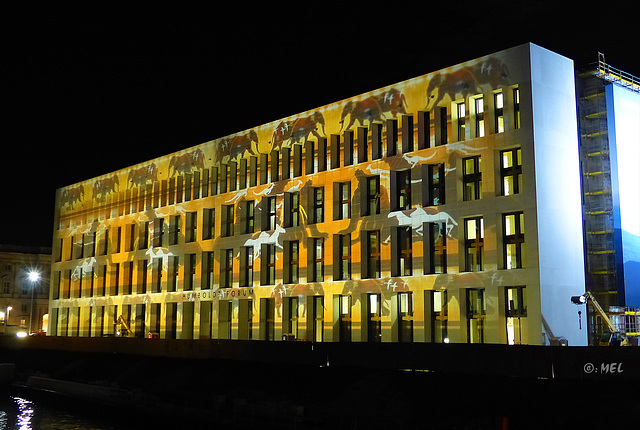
87 91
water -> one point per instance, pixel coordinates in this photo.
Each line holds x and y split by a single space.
20 413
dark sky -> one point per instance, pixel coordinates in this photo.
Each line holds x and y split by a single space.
87 91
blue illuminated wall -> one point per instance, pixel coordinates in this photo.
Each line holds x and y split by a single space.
623 113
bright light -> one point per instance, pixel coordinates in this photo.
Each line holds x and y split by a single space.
446 340
21 334
34 276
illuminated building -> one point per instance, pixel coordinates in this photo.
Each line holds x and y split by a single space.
443 208
609 108
24 294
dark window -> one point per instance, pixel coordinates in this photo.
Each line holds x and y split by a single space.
474 244
209 222
461 112
402 190
190 272
344 317
271 213
344 200
437 247
293 262
513 240
192 227
317 260
439 316
268 266
247 267
404 252
435 188
318 204
374 317
249 226
405 317
292 203
516 108
372 254
511 171
344 257
226 269
472 178
373 195
207 270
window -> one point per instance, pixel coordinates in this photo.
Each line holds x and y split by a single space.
402 190
293 262
227 220
460 110
344 257
268 265
499 112
374 317
511 171
192 227
249 221
437 252
292 209
373 195
207 270
479 105
143 243
190 272
271 213
174 229
317 197
405 317
209 224
344 318
516 108
371 257
292 316
226 269
246 279
435 188
516 309
474 243
476 311
513 239
443 127
316 274
343 201
174 273
439 316
472 178
402 249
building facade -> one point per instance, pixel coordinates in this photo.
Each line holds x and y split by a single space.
445 208
24 300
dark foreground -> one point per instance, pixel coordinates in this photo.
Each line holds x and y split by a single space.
286 385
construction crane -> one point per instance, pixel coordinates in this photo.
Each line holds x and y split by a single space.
616 338
124 331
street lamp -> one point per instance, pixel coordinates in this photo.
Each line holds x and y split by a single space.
34 277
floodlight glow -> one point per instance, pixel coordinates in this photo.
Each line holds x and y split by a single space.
21 334
34 276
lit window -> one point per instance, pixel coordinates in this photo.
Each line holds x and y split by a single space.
317 260
344 257
479 102
402 195
373 195
476 311
511 171
499 112
513 240
372 254
271 213
405 317
474 244
318 204
435 189
516 108
344 200
472 178
460 109
516 309
439 316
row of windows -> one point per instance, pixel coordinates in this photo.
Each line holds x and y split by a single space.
435 261
287 163
371 193
436 314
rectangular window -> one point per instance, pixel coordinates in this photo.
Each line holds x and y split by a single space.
209 224
293 262
247 267
192 227
499 112
479 105
143 242
437 247
316 273
227 220
292 306
268 265
318 204
226 269
405 317
344 318
435 188
174 273
207 270
439 316
444 123
343 200
516 108
344 257
374 317
190 272
404 252
402 190
174 229
460 111
318 318
474 244
271 213
511 171
472 178
476 312
516 310
513 240
292 209
373 195
371 258
249 222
